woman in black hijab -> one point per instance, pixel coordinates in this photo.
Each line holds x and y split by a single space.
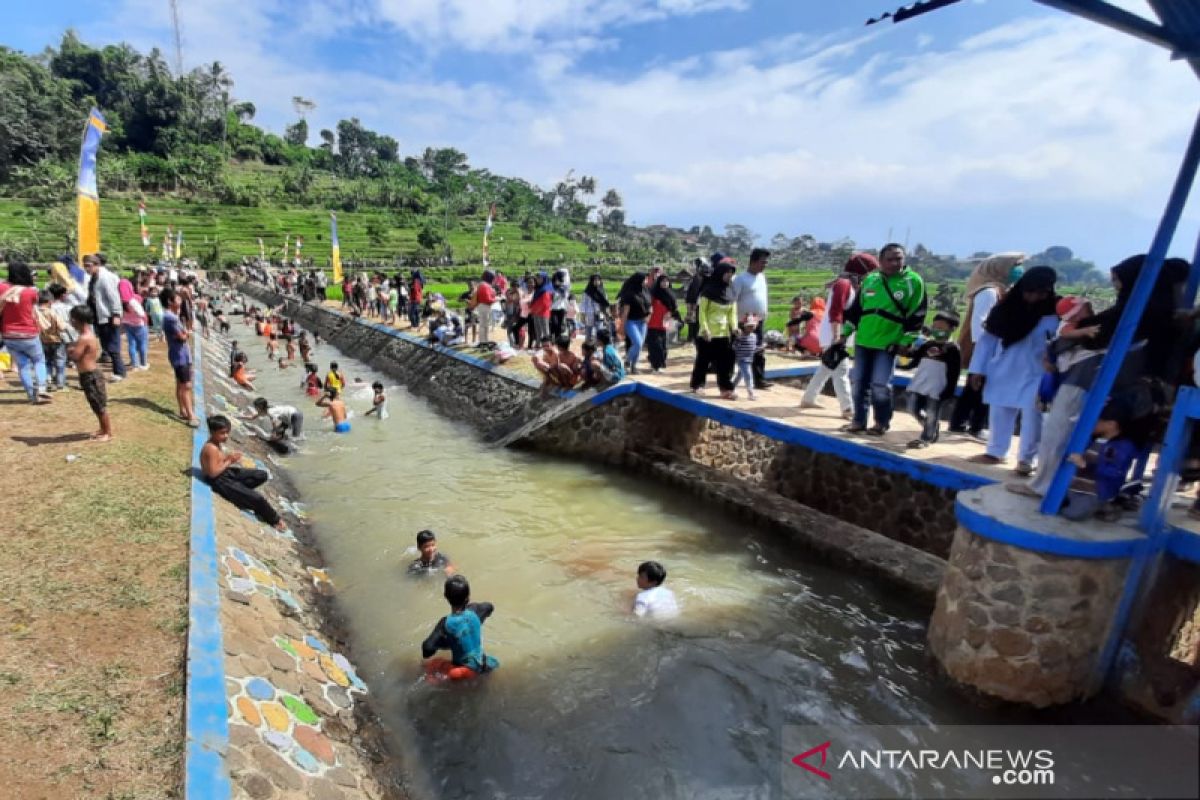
1023 307
595 304
1010 356
663 306
717 323
634 302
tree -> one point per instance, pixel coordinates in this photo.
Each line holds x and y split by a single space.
739 238
429 237
302 105
327 140
244 111
297 134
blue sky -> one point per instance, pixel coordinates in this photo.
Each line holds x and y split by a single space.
991 125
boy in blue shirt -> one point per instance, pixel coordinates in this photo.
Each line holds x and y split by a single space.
460 632
609 357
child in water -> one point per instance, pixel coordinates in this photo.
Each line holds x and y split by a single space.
432 559
379 402
335 378
460 632
335 409
654 600
312 381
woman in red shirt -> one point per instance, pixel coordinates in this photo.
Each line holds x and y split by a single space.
482 302
662 307
19 327
539 309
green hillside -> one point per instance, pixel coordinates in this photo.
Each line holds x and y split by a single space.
216 233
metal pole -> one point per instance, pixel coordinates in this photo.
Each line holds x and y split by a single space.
1123 337
1189 298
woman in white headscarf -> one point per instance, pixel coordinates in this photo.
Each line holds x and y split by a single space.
985 288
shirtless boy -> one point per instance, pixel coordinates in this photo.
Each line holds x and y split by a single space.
85 352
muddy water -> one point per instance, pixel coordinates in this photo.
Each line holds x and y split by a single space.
588 702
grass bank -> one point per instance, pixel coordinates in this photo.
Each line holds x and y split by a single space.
93 612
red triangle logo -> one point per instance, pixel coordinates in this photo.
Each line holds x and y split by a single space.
802 760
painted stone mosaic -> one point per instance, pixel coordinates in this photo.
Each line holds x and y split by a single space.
246 574
321 580
333 670
284 721
293 507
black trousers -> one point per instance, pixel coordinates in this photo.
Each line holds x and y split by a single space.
110 341
237 485
758 367
656 347
970 412
928 411
558 322
717 354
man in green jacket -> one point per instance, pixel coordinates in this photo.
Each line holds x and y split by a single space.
887 314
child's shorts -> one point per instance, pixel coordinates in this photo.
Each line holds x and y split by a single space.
342 427
95 389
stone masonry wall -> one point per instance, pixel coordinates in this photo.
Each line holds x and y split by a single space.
1022 626
457 389
896 506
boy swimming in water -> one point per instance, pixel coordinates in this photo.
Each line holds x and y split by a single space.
460 632
654 600
432 559
379 402
335 409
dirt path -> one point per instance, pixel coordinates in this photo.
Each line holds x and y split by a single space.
93 593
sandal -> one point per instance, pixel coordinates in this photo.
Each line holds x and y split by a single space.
984 458
876 430
853 427
918 444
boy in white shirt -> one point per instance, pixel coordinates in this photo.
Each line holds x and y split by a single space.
654 600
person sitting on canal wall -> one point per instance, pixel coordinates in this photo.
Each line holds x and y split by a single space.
432 559
335 409
593 373
654 600
460 632
236 484
560 367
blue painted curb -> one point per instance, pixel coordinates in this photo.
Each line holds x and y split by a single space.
992 528
206 724
1184 544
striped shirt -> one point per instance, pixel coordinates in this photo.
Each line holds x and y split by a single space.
744 346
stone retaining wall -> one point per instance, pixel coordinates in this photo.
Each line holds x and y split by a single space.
894 505
298 722
459 387
1023 626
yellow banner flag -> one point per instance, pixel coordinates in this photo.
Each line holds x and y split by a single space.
86 192
336 250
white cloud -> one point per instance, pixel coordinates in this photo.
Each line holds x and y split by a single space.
1047 112
519 25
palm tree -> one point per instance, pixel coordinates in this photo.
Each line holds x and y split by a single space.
220 83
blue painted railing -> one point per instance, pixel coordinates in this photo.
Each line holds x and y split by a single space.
206 725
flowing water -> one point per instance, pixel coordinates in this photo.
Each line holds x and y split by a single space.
589 702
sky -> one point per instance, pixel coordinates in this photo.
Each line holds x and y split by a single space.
990 125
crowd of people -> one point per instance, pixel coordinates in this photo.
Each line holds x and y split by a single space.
1016 365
